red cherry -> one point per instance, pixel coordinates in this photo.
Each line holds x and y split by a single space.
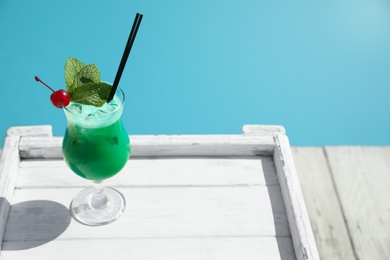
59 98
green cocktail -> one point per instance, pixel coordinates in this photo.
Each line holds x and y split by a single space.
96 146
95 152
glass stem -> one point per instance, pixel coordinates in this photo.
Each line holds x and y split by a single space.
99 197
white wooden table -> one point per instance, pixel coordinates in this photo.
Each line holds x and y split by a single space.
188 197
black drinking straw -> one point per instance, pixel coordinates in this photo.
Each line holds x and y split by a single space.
126 52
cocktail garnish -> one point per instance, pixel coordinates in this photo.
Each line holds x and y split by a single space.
59 98
72 68
83 83
92 93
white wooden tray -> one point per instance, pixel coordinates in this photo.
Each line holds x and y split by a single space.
188 197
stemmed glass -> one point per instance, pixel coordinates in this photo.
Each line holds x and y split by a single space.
96 146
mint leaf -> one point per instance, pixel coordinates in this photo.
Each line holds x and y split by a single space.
83 83
87 74
72 67
93 93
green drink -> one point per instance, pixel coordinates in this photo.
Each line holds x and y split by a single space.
96 147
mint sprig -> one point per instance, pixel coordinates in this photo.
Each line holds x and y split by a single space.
72 68
92 93
83 83
87 74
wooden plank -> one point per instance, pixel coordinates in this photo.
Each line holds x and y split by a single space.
216 248
322 203
39 130
154 212
157 172
164 145
301 232
269 130
9 164
362 178
198 208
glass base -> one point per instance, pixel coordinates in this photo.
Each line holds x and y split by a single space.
98 206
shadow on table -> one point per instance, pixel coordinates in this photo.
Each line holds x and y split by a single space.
34 223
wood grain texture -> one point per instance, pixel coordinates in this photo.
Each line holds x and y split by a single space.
164 145
303 239
269 130
197 201
326 217
159 223
215 248
39 130
9 164
362 179
157 212
194 187
150 172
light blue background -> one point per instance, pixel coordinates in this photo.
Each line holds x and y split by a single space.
319 68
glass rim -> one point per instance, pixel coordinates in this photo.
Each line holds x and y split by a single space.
110 113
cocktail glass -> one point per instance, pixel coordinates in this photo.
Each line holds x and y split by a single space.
96 146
